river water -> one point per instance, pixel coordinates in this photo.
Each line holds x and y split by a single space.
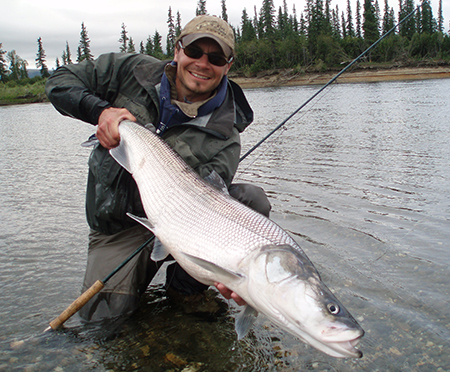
360 178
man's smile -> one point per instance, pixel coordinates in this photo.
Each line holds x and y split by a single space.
199 76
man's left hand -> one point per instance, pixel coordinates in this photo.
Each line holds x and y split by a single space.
229 294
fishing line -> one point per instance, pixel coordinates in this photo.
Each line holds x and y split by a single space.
332 80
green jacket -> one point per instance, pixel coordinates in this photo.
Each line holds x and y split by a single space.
131 81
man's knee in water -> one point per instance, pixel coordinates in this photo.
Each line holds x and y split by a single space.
252 196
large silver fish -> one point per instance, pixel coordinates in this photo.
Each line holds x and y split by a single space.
217 239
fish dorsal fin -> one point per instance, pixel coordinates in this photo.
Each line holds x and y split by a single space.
215 180
159 252
244 321
222 274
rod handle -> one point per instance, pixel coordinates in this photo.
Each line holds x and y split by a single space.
77 305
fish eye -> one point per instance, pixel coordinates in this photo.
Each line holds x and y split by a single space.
333 308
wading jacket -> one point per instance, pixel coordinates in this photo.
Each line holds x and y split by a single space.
132 81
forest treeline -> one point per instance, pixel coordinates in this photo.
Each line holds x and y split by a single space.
320 37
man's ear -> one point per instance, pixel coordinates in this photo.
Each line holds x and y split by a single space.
175 57
228 67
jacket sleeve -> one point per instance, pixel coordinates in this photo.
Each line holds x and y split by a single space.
84 90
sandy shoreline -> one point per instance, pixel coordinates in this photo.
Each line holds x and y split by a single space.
287 78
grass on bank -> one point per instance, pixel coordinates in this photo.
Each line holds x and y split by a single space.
23 91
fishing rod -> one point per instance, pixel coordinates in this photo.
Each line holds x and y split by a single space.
327 84
75 306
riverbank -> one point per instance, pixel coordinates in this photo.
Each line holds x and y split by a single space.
275 78
278 78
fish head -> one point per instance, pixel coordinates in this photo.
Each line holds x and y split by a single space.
287 288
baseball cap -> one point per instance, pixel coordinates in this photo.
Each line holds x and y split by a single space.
212 27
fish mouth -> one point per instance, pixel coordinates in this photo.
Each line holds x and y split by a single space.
342 339
347 348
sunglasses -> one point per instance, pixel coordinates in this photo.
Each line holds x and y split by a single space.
213 58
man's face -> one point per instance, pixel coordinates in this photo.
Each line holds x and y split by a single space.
198 78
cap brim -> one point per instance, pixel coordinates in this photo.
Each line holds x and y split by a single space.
189 39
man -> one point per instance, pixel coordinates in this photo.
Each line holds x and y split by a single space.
194 107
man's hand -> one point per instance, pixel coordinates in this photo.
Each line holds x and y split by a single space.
229 294
108 126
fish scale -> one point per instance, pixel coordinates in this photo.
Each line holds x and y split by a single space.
215 238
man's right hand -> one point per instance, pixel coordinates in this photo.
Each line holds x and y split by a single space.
108 126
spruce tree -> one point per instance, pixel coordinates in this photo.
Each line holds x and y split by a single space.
358 20
248 31
40 59
418 21
23 69
201 8
178 27
408 28
327 20
440 21
378 16
157 48
370 24
350 28
170 41
123 40
17 66
3 64
302 25
131 48
267 19
388 18
428 23
295 24
149 46
224 10
84 50
257 24
335 23
68 54
287 30
344 26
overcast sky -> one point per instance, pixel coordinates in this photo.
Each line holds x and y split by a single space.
58 21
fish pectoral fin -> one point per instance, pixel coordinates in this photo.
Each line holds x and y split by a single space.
143 221
223 275
159 252
244 321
